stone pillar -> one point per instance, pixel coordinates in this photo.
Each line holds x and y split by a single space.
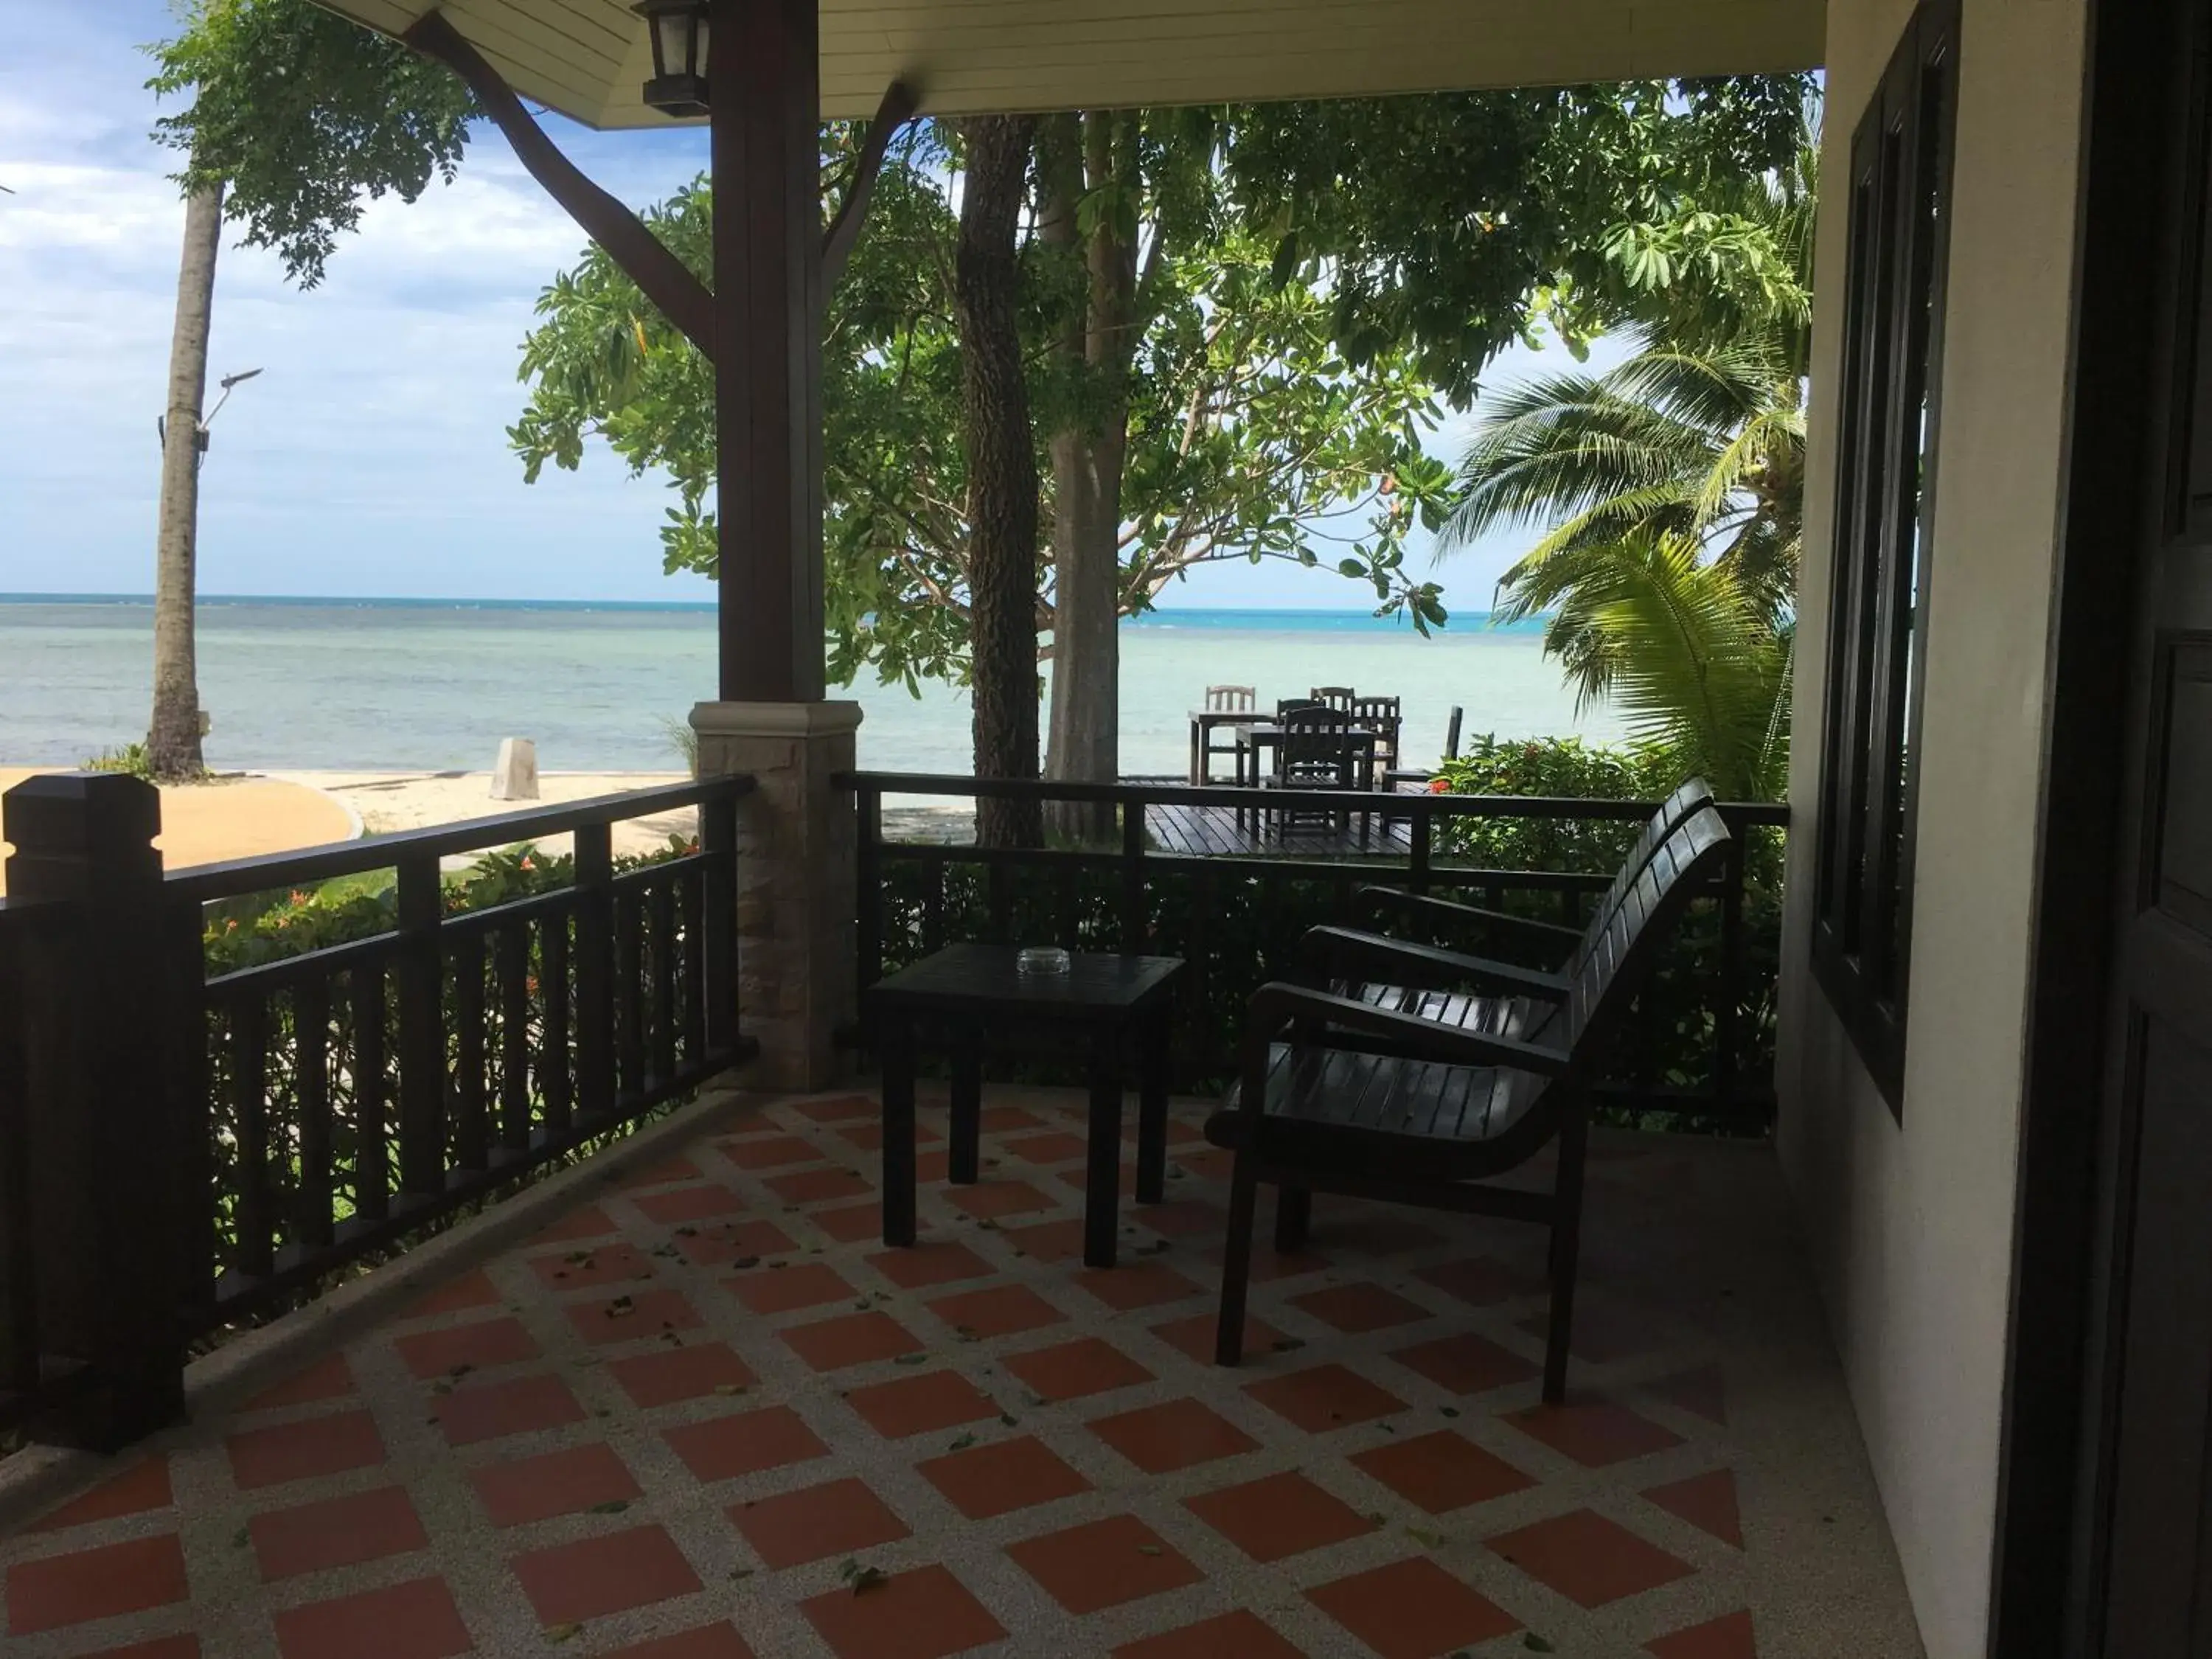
797 883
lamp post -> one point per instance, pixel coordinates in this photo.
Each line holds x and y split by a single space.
679 32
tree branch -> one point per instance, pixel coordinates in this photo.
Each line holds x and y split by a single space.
896 109
664 279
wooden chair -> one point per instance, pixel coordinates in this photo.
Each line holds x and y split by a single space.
1227 700
1315 751
1426 1110
1381 716
1336 696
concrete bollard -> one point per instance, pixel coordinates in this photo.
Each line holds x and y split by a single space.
515 776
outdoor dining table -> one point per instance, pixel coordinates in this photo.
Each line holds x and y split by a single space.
1109 1003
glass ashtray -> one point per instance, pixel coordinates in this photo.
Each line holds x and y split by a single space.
1042 960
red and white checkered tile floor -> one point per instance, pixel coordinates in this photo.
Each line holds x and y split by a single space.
708 1415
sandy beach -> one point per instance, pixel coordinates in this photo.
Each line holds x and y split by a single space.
246 816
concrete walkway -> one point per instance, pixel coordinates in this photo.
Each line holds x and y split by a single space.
705 1414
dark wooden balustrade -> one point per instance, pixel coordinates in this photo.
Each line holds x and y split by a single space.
301 1113
1152 892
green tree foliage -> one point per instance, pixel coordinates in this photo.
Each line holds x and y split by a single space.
1250 438
305 116
1449 224
1671 488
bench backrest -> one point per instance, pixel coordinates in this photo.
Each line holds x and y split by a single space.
1692 794
1622 955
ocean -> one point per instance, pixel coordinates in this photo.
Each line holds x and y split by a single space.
433 685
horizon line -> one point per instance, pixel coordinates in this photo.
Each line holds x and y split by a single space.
144 598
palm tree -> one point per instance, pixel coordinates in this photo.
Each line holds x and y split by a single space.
1672 487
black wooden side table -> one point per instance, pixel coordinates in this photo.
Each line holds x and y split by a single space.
1115 1004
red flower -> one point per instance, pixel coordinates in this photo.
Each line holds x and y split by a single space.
1440 786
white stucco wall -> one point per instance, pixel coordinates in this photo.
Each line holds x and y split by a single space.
1911 1226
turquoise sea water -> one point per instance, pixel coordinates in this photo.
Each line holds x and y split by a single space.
433 685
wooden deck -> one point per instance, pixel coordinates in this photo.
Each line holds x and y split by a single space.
1214 831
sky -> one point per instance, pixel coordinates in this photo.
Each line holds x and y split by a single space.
370 458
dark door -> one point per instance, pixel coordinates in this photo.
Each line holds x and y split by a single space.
2156 1446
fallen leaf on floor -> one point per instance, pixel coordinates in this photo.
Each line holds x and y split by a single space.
621 1307
961 1443
729 1388
861 1578
1426 1539
910 1359
746 1261
239 1539
563 1632
1536 1644
611 1506
1150 1549
739 1573
1449 1411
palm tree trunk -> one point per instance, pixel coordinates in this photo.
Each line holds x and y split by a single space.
1002 478
172 737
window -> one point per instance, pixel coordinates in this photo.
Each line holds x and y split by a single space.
1898 202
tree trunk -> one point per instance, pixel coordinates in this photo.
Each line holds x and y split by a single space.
1002 481
1087 458
172 737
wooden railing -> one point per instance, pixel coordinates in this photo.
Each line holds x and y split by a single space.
1236 918
263 1127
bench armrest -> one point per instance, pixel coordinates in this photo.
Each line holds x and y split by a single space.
1277 1006
1372 903
1338 952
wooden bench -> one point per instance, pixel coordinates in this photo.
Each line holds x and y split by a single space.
1339 1094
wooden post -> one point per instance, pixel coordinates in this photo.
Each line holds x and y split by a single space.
766 159
594 972
1728 1023
1132 875
421 1001
116 1138
718 905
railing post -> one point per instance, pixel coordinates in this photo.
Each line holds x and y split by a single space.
421 996
1417 862
595 978
1133 874
110 1008
718 839
1728 1023
868 806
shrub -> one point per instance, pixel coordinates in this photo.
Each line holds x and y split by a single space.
132 759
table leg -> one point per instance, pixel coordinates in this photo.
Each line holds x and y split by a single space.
1198 741
1102 1185
966 1128
1152 1115
895 1042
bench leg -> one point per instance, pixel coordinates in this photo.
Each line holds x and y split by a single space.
1237 1261
1567 1243
1293 1217
1102 1175
966 1128
894 1036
